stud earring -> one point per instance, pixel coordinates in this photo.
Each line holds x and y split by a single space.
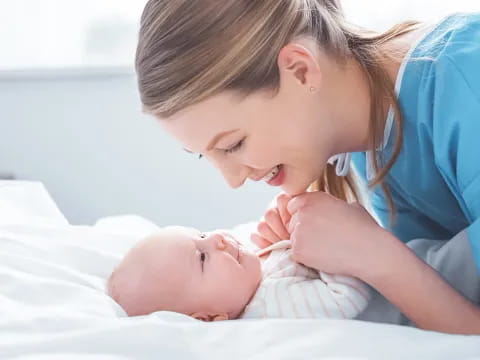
312 89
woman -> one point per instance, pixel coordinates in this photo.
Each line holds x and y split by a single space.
277 89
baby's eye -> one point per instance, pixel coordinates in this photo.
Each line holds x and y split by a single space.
203 257
203 236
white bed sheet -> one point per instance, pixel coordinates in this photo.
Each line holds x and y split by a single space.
53 305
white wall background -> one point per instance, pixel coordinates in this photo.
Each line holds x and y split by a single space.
58 33
81 132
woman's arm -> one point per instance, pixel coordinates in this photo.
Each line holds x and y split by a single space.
339 238
418 290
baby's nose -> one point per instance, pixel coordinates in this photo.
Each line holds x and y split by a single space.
218 240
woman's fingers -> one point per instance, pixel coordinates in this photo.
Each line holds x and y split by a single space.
297 202
274 221
293 223
259 241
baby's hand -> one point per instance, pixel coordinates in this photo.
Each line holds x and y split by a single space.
274 224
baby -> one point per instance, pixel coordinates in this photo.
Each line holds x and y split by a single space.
213 277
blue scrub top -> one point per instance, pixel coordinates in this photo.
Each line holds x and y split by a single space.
435 182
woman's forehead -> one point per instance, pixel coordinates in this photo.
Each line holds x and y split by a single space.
196 130
196 125
209 108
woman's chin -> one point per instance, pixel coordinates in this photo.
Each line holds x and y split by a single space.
295 189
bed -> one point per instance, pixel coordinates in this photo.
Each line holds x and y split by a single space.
53 304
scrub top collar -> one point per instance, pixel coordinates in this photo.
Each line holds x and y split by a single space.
343 161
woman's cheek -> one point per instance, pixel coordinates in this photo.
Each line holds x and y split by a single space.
259 155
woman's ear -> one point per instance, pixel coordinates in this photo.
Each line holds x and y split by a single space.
301 60
210 317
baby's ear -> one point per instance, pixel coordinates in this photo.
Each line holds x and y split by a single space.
220 317
200 316
209 317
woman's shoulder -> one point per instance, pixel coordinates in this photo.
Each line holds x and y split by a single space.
457 57
453 38
445 59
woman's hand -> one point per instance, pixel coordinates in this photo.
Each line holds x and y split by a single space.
273 226
332 236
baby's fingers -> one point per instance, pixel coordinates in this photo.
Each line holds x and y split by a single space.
267 232
274 221
259 241
282 204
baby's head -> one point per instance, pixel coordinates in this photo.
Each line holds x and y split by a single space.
207 276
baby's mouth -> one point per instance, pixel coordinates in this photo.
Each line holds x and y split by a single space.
236 246
238 254
235 243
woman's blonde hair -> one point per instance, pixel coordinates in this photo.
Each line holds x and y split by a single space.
189 50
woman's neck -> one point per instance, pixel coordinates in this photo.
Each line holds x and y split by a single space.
352 96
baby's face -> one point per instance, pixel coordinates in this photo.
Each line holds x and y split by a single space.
209 276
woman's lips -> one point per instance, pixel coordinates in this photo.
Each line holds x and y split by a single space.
278 179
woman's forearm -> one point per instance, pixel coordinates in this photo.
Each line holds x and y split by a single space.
419 291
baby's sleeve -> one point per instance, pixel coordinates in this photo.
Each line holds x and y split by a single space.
337 297
323 297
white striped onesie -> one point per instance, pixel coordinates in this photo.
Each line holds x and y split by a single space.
291 290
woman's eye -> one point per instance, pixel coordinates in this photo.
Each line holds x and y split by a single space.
192 153
235 147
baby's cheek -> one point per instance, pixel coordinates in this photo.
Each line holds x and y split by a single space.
256 271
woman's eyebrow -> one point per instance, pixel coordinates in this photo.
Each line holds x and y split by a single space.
214 141
217 138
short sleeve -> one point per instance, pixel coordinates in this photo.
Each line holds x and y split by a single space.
456 135
471 196
408 223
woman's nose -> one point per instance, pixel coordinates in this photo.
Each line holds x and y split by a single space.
235 175
236 183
